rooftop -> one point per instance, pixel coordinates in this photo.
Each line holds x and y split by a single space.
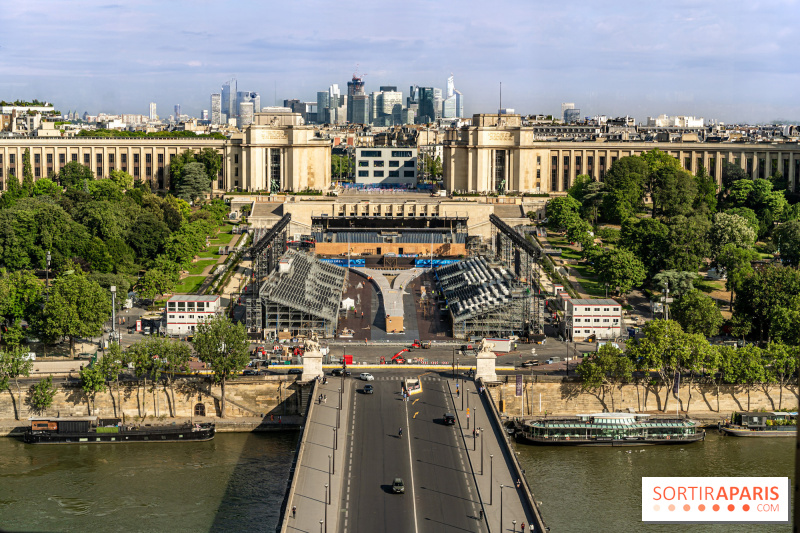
194 298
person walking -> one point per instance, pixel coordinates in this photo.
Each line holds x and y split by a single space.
401 433
294 511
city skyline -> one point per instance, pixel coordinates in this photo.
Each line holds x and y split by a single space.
726 61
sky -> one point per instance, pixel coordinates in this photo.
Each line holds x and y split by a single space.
729 60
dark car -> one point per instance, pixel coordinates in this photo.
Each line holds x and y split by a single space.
449 419
295 370
530 363
249 372
398 487
340 372
368 389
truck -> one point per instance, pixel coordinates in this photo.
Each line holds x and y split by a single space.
503 345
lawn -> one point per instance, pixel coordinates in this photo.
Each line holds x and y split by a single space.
707 285
189 285
589 282
221 239
198 267
208 254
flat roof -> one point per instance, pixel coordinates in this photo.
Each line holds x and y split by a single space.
194 298
599 301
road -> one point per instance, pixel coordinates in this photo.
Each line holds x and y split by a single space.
439 493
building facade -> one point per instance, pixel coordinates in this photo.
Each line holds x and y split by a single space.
216 108
497 153
276 153
185 311
600 318
386 166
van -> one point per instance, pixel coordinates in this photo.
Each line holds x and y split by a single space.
553 360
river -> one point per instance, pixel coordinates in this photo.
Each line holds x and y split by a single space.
235 482
600 488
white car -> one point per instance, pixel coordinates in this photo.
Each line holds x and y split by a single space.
367 376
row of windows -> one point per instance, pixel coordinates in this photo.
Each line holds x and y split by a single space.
616 320
380 173
616 309
395 153
148 158
380 163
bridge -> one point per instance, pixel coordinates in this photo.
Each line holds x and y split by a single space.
455 479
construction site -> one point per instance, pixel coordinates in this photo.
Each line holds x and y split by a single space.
393 279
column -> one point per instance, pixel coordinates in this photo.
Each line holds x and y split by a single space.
560 170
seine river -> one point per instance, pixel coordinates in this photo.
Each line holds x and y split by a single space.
600 489
236 483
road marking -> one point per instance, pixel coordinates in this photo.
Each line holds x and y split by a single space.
415 414
411 464
415 401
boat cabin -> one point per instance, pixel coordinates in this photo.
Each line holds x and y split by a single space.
763 419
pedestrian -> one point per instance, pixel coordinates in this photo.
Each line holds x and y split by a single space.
480 512
294 511
279 419
523 527
362 314
272 418
458 393
518 483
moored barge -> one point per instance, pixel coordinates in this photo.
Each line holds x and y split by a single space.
93 430
609 429
768 424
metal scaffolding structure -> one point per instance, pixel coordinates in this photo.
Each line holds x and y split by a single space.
521 255
485 299
265 252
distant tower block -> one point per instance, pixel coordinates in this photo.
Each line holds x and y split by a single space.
312 360
485 369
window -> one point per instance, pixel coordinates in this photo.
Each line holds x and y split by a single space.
135 172
191 316
180 316
37 172
124 159
148 158
172 305
577 320
394 163
377 163
75 157
172 316
11 158
99 158
538 160
408 173
588 308
235 159
110 159
160 159
596 308
363 173
49 159
401 153
605 309
615 309
99 171
616 320
370 153
135 159
409 163
149 171
587 331
605 320
597 320
378 173
363 163
200 305
236 171
36 159
394 173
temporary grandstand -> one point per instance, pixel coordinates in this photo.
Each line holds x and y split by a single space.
485 299
301 297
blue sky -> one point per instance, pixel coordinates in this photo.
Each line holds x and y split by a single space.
732 60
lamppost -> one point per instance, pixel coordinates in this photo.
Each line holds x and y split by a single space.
329 479
335 440
491 478
515 525
339 410
454 362
320 526
113 312
326 508
481 430
501 507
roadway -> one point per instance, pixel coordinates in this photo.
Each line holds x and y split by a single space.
440 491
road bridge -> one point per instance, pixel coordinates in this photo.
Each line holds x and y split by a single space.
452 479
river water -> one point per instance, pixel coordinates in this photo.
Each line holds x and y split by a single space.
600 488
235 482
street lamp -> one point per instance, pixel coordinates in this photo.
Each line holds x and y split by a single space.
326 509
113 311
329 479
320 526
335 440
491 478
481 430
501 507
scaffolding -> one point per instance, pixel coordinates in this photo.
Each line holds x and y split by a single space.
265 252
485 299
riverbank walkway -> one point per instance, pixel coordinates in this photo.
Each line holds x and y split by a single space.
315 491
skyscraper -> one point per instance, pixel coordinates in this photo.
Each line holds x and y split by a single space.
451 86
229 98
437 102
177 112
459 104
564 107
355 93
427 110
216 108
248 96
153 114
204 115
245 118
323 117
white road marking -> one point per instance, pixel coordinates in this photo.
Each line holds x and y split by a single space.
411 464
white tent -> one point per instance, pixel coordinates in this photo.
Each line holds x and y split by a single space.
347 303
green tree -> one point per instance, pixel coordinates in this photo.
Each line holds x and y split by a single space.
156 282
77 307
787 236
674 192
340 166
112 365
27 173
562 212
698 354
661 348
620 269
730 229
20 295
706 199
688 242
42 395
105 190
737 265
762 297
431 167
747 369
175 358
607 369
93 380
730 174
626 182
46 187
781 363
748 214
176 165
697 312
194 182
122 179
648 239
13 364
678 282
74 175
13 192
212 161
224 347
578 189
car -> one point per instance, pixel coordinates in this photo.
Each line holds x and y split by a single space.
249 372
340 372
295 370
449 419
530 363
366 376
398 487
368 389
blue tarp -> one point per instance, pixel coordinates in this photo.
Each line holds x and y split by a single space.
426 263
344 262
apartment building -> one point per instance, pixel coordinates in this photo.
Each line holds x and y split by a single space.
585 318
185 311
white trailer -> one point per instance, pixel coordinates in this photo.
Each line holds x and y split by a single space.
503 345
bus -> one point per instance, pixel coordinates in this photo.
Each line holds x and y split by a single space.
413 386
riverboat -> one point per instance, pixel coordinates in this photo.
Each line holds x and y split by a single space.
769 424
93 430
609 429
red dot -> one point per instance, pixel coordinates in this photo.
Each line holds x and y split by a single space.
671 507
731 507
686 507
716 507
745 507
701 507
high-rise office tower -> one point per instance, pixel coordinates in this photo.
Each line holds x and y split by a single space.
248 96
205 114
437 102
451 86
427 109
323 116
449 107
177 112
216 108
246 114
459 104
358 102
229 98
153 114
564 107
